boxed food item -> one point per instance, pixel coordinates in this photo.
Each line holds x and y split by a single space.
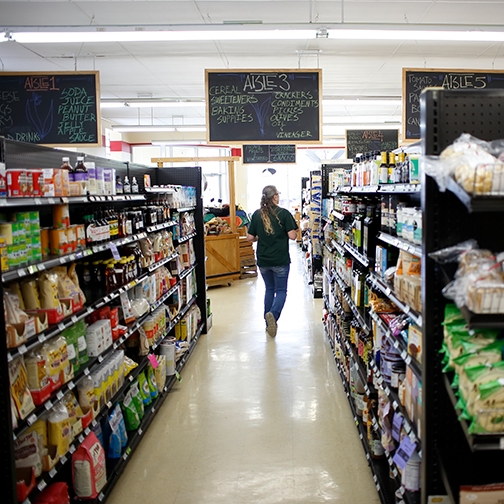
19 183
415 346
98 337
482 494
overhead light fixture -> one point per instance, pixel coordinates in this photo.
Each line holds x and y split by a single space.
158 36
362 119
364 101
141 128
261 32
190 128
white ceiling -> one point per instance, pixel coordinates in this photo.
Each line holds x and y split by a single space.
175 70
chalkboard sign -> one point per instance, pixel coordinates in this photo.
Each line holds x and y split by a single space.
54 108
261 153
362 141
264 106
417 79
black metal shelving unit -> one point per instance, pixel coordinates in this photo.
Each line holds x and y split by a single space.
450 456
23 155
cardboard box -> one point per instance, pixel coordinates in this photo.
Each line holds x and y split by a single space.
482 494
415 346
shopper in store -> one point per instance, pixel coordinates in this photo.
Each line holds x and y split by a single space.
272 227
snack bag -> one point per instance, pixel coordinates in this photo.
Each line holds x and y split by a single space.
151 380
48 287
144 389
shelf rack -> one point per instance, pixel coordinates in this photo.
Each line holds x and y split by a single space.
23 155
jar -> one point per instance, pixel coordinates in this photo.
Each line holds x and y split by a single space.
398 374
410 478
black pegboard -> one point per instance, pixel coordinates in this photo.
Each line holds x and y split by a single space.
446 114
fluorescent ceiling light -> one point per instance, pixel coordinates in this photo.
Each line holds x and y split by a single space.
141 128
204 33
376 119
111 104
416 34
158 36
190 128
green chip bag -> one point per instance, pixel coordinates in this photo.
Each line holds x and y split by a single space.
131 417
137 399
151 380
144 389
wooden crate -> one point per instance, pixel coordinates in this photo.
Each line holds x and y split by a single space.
248 266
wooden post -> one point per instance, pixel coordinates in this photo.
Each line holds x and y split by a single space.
232 200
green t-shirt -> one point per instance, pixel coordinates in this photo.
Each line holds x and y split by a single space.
273 249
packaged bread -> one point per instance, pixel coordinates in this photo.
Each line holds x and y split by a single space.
72 274
66 288
13 312
59 429
15 289
37 367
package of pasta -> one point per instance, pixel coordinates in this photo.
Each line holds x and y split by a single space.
489 408
19 388
13 311
471 378
48 288
489 354
14 288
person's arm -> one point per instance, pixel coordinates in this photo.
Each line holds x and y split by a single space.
251 238
292 234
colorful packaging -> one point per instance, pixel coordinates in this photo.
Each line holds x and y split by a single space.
89 472
19 388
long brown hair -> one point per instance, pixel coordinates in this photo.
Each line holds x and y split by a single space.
268 208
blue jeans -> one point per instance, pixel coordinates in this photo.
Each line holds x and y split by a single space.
275 279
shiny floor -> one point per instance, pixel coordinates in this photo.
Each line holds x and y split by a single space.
255 419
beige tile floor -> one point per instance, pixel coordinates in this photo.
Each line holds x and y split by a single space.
255 419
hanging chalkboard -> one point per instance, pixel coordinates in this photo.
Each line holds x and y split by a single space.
417 79
54 108
264 106
262 153
362 141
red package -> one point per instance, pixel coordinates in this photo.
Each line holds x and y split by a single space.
57 493
89 473
114 316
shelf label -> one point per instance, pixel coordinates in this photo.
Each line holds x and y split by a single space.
115 252
48 405
501 444
87 431
71 449
86 371
22 349
31 419
81 438
61 326
59 395
42 485
404 453
74 319
396 426
101 496
32 269
140 432
109 405
52 472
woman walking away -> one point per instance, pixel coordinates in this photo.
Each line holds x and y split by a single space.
272 227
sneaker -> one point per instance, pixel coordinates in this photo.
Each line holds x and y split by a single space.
271 325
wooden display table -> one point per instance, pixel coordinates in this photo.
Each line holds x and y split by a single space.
223 258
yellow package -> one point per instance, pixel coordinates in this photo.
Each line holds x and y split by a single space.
52 351
129 365
65 365
48 288
66 288
31 297
72 406
59 429
19 388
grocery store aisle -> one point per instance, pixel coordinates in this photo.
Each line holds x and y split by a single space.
255 419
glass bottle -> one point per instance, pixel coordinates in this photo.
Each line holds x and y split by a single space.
80 174
126 185
391 167
65 164
119 185
134 186
383 169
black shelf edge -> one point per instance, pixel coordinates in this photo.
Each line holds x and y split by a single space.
389 292
400 243
56 200
183 239
477 442
360 257
187 271
381 188
483 320
484 203
338 247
